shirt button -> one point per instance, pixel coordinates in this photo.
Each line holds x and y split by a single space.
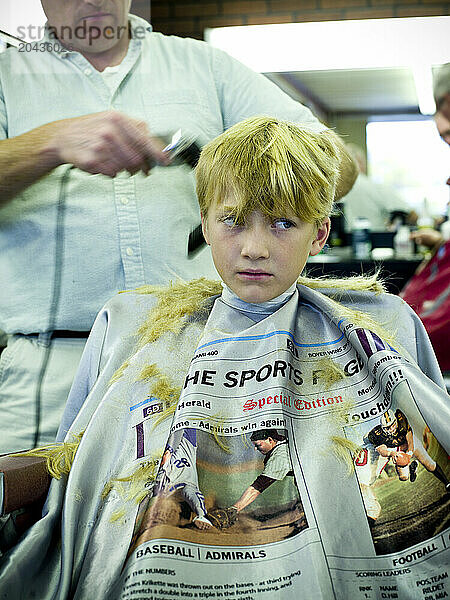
124 200
87 71
129 251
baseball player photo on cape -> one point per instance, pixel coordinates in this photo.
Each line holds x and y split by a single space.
224 469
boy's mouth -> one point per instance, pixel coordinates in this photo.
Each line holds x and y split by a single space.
254 275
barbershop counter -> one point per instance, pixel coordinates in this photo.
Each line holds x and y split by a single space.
340 262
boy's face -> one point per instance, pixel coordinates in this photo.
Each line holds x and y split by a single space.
260 259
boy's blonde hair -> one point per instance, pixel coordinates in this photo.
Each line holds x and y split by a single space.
270 165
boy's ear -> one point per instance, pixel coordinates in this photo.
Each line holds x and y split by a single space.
205 228
321 237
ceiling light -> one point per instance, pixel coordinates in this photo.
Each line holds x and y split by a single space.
315 46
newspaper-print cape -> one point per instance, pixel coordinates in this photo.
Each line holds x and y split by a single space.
305 536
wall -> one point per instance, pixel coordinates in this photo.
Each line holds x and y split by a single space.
352 129
190 17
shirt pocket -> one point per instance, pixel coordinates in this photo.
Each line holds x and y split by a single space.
186 109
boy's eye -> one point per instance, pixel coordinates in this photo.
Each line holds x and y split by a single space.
230 220
282 224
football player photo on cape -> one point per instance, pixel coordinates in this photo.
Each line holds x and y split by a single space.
403 473
228 491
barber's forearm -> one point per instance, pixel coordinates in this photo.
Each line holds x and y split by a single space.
348 170
25 159
107 143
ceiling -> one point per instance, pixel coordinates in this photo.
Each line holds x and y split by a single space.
375 67
350 92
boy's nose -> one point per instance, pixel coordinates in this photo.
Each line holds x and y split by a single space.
255 244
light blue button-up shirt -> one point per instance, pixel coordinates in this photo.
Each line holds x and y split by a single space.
128 231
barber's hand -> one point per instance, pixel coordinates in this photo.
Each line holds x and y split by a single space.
427 237
107 143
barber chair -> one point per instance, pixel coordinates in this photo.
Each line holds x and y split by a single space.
24 484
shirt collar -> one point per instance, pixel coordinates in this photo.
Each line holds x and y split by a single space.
262 308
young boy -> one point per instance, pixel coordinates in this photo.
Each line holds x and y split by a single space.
225 360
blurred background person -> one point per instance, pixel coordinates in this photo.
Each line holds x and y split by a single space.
371 200
443 126
441 91
428 291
